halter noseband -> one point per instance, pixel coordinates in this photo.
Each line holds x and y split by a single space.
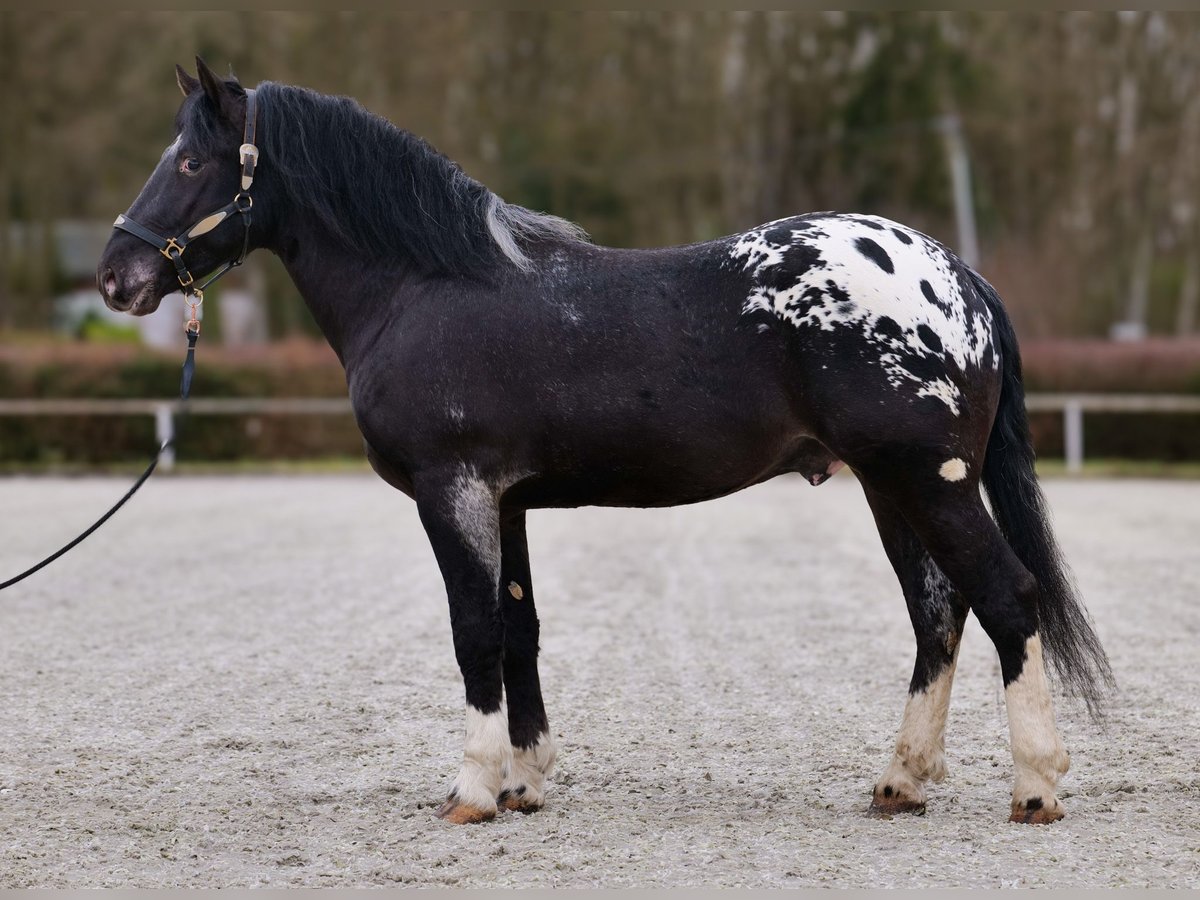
173 247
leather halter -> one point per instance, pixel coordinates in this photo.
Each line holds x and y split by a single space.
173 247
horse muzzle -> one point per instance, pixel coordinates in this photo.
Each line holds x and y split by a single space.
133 288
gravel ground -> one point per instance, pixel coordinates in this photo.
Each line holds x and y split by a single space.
250 681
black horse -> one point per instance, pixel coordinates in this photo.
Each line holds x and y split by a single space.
498 362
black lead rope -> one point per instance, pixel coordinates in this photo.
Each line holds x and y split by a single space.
185 388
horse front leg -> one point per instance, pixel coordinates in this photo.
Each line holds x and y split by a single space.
460 513
533 747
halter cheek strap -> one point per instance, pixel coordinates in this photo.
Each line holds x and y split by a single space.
173 247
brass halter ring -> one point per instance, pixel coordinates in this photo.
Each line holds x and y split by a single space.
192 325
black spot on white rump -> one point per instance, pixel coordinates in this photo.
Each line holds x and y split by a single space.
924 368
889 327
875 253
780 234
929 338
799 259
837 293
901 236
931 295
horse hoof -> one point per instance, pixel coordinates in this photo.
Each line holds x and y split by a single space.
457 813
888 801
894 807
518 800
1035 812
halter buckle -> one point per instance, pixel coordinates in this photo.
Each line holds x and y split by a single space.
248 154
191 279
172 244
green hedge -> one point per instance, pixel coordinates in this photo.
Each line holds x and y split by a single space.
69 370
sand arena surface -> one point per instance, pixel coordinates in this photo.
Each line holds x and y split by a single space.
250 681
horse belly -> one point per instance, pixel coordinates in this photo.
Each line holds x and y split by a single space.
663 460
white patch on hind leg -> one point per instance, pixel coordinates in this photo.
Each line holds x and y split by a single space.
953 469
920 745
487 759
525 785
1038 752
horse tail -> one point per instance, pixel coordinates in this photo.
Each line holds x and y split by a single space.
1020 509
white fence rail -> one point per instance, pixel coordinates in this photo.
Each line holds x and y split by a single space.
1071 406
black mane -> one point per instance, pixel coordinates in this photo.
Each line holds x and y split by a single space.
386 192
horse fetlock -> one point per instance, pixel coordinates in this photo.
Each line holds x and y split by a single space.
541 756
487 759
1038 770
524 787
476 787
1050 762
936 770
524 793
923 763
1037 774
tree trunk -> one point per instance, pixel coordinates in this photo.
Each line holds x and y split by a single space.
1189 292
1138 310
8 170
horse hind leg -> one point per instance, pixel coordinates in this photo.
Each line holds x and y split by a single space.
938 613
960 535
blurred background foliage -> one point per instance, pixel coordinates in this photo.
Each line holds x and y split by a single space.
653 128
1082 128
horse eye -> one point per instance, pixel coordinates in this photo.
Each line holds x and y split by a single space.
190 165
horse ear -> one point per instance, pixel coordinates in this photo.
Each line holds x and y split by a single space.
225 95
186 82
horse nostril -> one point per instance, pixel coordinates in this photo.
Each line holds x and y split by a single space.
108 284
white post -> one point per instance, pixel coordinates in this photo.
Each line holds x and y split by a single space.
960 184
164 430
1073 434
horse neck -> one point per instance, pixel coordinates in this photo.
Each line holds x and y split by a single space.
347 293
